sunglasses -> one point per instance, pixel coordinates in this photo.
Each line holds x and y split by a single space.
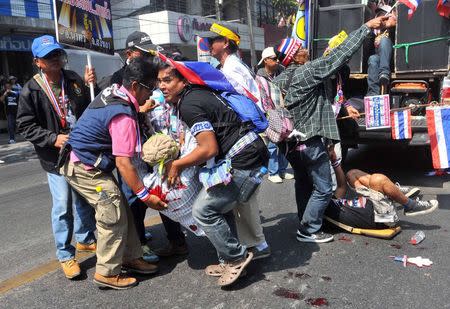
53 54
151 89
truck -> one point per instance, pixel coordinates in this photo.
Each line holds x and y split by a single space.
420 64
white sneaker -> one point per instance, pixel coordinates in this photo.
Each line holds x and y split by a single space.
11 141
287 176
275 179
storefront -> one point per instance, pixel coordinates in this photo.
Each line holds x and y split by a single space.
178 31
20 22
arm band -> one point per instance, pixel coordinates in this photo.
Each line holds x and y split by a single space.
143 194
336 163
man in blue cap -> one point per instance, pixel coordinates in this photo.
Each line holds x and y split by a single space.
49 105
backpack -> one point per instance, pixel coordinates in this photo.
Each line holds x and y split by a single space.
246 110
280 120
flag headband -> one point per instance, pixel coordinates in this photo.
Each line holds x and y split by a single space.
225 32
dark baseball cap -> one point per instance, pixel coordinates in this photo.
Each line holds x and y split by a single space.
218 30
140 40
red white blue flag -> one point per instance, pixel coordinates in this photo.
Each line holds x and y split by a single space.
401 124
412 5
200 73
438 121
443 8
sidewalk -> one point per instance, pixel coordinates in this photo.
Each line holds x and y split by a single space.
20 151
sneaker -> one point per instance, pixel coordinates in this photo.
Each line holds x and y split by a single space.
11 141
275 179
410 192
149 255
139 266
260 254
384 79
91 248
319 237
287 176
422 207
117 282
71 268
172 249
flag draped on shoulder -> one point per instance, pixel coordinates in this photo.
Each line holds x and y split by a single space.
438 121
412 5
200 73
401 124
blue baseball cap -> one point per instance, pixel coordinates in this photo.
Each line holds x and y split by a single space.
43 45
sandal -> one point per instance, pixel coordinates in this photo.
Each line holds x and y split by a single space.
216 270
233 270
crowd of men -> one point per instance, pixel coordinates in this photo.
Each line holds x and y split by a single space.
81 143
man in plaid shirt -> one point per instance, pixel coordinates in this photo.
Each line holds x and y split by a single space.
310 105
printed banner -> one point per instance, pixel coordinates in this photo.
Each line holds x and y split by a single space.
377 109
85 24
203 54
300 29
438 122
401 124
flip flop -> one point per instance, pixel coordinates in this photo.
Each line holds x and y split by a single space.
234 270
216 270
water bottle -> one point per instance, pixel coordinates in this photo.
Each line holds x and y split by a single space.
445 91
251 184
102 195
417 238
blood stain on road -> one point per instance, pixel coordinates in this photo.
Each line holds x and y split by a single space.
285 293
317 302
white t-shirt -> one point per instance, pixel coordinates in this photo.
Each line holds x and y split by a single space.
241 78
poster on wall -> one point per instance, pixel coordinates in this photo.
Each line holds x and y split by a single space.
377 110
84 24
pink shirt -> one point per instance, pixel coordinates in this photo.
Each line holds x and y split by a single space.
124 133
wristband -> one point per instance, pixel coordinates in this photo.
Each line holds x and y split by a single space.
336 163
346 104
143 194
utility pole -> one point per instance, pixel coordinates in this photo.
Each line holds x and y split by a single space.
250 33
218 10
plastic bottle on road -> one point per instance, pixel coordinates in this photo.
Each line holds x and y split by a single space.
251 184
417 238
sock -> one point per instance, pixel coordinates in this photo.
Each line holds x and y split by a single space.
410 204
262 246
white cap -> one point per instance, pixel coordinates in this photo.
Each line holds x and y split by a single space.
267 53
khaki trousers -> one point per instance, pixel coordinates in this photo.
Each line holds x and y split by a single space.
117 239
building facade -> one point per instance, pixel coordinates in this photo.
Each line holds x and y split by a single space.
174 24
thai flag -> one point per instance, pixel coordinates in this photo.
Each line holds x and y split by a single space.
27 8
204 74
443 8
412 4
401 124
438 121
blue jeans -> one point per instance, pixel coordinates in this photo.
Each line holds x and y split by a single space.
277 160
379 63
313 184
65 221
11 116
212 209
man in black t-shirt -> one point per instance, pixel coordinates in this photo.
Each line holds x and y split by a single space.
217 129
10 98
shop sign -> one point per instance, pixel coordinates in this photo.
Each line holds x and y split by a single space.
15 43
188 26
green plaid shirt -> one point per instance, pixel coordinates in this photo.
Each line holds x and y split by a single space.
307 98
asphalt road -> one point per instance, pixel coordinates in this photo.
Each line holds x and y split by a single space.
351 272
